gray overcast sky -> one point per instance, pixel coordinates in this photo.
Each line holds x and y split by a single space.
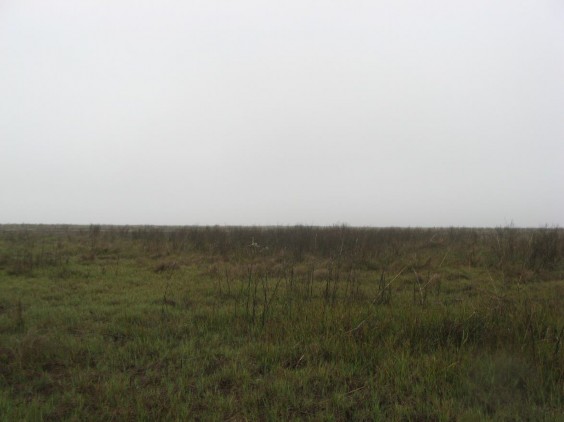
379 113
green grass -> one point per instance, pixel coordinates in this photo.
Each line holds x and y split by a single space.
192 324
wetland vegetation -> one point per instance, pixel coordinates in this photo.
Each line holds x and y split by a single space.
281 323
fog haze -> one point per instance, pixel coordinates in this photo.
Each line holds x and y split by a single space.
391 113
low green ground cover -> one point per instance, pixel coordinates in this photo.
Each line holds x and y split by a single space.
108 323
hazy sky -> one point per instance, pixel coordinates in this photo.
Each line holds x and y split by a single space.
379 113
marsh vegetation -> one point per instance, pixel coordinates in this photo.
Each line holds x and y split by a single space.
281 323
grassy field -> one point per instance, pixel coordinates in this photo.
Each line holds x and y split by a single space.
281 323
